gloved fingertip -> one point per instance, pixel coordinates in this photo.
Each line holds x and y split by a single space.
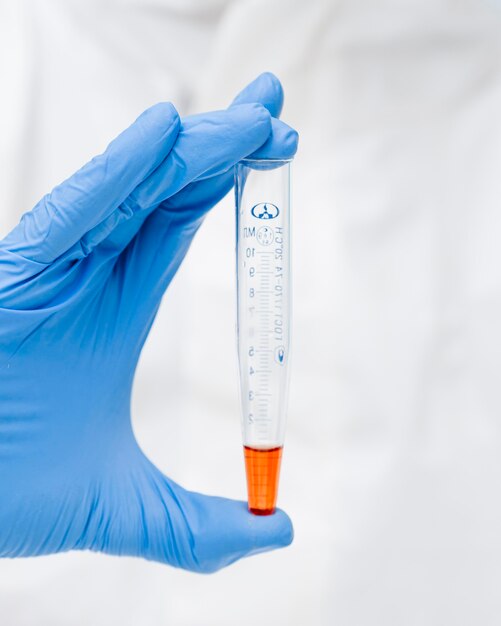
273 531
266 89
224 531
162 116
291 141
272 85
254 118
287 528
252 109
282 142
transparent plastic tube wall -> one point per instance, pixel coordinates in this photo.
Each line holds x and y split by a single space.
263 320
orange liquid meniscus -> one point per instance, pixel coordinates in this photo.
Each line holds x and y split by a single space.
263 470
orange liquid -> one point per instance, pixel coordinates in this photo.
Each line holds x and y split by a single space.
263 469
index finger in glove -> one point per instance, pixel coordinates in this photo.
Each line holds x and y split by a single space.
207 144
95 191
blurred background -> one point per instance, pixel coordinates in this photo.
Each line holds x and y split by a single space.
392 464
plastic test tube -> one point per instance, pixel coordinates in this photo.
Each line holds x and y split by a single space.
262 190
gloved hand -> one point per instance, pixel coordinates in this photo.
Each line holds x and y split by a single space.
81 279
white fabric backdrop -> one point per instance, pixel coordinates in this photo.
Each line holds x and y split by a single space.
392 464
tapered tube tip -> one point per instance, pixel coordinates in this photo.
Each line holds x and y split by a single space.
263 471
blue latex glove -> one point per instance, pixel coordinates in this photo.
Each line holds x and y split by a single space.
81 279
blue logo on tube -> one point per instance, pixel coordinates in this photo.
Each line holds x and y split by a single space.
265 211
